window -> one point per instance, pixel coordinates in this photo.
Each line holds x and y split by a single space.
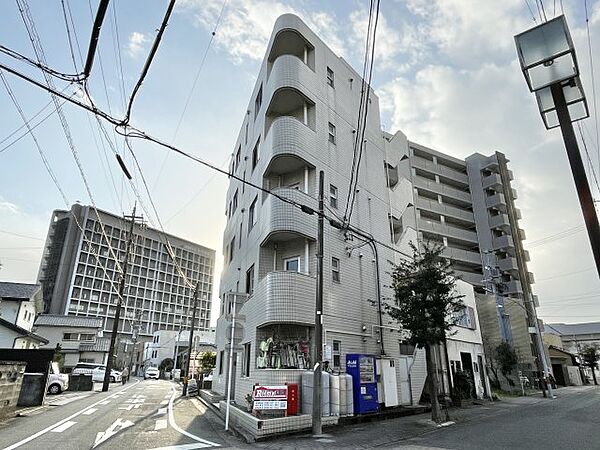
333 196
330 77
241 229
252 214
465 318
221 357
331 133
238 156
337 354
87 337
70 336
292 264
255 155
231 249
407 348
246 360
246 135
258 102
235 202
335 269
250 280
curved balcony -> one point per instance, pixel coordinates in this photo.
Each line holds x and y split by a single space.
283 221
289 41
285 297
288 136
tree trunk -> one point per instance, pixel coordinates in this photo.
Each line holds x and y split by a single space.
436 414
594 375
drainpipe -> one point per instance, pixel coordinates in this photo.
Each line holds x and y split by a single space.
378 294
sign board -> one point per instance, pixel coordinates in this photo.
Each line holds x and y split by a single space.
327 352
270 397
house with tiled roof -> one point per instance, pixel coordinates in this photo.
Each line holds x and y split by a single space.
19 304
79 339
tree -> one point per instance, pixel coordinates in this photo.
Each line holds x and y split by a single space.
506 357
590 356
208 361
425 304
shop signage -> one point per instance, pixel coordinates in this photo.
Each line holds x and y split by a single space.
270 397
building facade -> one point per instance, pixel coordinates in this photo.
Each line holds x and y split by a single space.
79 338
19 304
80 272
469 207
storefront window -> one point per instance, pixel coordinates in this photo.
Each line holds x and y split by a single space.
283 346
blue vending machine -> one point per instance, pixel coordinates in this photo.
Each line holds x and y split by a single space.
362 368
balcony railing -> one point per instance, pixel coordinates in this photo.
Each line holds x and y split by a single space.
503 242
496 201
499 221
492 181
429 166
285 297
445 230
444 209
440 188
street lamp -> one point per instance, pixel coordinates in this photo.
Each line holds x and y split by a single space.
549 64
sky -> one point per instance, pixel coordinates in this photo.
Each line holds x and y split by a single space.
445 71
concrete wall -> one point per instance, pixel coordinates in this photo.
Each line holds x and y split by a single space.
10 385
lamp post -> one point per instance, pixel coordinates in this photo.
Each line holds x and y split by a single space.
548 61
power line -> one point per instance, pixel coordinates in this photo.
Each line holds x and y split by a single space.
21 235
530 11
189 97
562 275
555 237
149 59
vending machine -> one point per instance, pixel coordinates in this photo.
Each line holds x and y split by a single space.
362 368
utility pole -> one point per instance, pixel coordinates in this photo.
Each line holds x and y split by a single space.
191 340
317 428
177 339
115 329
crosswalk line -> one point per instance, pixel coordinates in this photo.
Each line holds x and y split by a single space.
89 411
160 424
63 427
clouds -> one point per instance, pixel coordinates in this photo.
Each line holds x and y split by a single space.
246 25
136 44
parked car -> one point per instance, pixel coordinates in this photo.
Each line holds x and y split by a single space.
83 368
152 372
57 382
209 376
98 375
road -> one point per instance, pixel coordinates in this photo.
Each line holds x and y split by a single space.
568 422
140 415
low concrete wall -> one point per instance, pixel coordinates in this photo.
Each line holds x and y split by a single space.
11 379
33 389
80 383
250 426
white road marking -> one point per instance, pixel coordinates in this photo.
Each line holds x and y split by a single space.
178 428
117 425
47 429
164 402
183 447
67 400
89 411
130 407
105 402
135 400
161 411
161 424
63 427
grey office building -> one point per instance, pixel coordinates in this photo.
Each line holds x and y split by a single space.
78 267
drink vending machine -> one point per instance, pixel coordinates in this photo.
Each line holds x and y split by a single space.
362 368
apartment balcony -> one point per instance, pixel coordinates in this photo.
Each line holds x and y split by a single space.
289 137
475 279
530 278
500 221
513 287
514 193
492 181
445 230
503 242
526 255
439 169
522 234
460 255
445 210
439 188
518 214
284 296
290 72
497 201
508 264
491 163
281 221
290 42
510 175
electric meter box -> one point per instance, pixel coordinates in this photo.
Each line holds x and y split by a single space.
363 370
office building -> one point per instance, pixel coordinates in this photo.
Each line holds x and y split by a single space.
78 267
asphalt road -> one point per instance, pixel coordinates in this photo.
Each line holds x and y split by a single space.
570 422
141 415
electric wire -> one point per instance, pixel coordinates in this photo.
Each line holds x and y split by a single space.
64 11
587 153
191 92
531 11
555 237
39 52
149 60
592 72
24 236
